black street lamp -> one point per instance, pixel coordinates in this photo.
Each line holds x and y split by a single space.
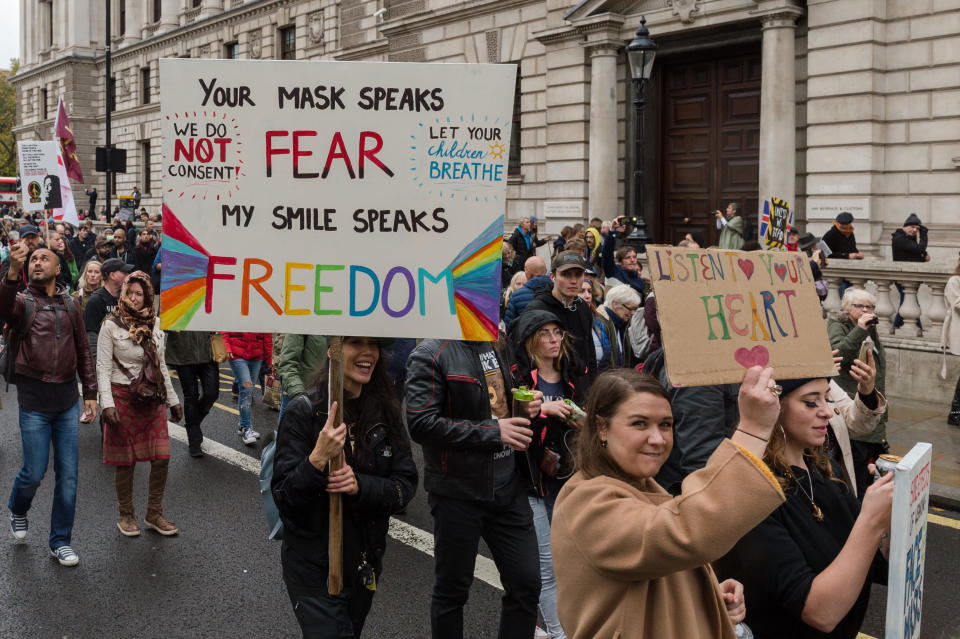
640 54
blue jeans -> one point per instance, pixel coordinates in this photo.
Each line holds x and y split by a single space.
284 400
542 514
245 372
37 431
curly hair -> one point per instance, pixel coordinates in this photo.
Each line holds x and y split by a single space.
775 458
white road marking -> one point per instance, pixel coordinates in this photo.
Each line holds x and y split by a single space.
484 569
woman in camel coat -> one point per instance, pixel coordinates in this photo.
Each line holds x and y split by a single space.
632 561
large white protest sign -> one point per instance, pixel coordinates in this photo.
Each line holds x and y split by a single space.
334 197
39 175
908 543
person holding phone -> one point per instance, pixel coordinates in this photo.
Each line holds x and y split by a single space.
857 326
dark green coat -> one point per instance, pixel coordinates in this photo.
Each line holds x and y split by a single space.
847 337
188 347
301 357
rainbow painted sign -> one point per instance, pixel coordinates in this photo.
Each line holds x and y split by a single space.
334 197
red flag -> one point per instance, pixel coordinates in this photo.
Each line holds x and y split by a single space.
68 146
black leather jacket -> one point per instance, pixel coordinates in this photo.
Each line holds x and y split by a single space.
448 413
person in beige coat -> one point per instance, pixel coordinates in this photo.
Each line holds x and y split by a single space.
950 337
630 560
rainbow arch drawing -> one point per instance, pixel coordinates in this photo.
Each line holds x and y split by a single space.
183 286
476 284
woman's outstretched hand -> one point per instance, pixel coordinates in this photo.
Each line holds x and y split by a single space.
759 402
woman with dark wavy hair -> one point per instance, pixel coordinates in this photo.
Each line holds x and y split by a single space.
808 568
377 480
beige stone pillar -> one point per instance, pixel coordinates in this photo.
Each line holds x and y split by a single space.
135 21
778 119
169 15
603 130
211 7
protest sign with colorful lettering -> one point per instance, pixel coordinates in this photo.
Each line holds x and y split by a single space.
775 223
334 197
908 542
722 312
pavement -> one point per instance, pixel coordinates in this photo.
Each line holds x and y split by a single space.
911 421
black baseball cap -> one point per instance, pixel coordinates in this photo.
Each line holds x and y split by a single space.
568 260
29 229
115 264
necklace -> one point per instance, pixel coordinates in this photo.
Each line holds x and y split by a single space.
817 513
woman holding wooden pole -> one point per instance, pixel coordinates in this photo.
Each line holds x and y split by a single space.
377 477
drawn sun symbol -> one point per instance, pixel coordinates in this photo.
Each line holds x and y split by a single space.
496 150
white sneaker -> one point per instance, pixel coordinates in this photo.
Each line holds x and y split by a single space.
66 556
249 436
540 633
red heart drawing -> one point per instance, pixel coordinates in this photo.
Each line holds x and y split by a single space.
747 267
781 270
756 356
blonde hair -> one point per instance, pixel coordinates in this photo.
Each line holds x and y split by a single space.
855 296
510 289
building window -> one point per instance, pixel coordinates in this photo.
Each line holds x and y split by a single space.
145 166
48 11
196 3
122 24
232 51
112 94
157 10
145 84
513 165
43 104
288 43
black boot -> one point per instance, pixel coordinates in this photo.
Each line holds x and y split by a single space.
194 439
954 418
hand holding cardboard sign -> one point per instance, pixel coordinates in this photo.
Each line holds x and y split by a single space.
759 410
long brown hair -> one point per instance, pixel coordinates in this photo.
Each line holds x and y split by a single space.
530 345
607 393
775 457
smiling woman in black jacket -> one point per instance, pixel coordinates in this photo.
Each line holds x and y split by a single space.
377 480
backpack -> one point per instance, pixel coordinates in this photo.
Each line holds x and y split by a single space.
270 510
13 336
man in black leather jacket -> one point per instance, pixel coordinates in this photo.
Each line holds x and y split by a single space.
458 409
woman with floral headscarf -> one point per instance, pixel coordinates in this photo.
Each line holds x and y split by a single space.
134 389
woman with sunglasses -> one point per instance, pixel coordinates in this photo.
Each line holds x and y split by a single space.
847 334
547 362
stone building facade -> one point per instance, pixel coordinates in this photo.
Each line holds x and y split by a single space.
830 104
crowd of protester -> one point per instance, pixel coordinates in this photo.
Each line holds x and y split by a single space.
613 503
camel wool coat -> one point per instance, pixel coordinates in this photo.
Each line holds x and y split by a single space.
632 562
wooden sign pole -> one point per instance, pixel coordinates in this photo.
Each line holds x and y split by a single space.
335 548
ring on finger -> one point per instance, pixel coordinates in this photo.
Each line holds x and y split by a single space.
776 389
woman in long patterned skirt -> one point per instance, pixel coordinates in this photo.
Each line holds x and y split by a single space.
134 413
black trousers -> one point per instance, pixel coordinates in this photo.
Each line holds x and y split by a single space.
201 387
506 525
324 616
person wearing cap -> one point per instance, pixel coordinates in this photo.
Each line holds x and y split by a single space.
101 249
378 478
841 240
563 300
809 567
909 245
793 240
103 301
808 243
30 237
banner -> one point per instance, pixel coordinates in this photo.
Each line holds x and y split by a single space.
722 312
67 211
39 175
908 542
68 145
775 223
334 197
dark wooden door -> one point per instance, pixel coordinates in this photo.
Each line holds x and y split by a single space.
710 143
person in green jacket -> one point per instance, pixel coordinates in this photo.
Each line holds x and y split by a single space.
731 227
301 357
190 354
847 334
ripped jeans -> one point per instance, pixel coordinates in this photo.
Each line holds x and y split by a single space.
245 372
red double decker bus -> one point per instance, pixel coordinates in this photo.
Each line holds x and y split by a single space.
8 190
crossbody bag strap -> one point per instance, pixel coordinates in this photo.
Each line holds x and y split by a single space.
126 371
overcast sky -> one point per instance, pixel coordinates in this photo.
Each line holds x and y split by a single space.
9 32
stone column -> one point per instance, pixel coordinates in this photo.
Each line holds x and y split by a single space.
211 7
778 120
134 23
603 130
169 18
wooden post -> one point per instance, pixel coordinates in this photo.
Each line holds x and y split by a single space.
335 547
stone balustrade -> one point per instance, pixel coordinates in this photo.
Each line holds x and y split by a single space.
922 283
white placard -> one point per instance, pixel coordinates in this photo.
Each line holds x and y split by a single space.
39 175
338 198
908 542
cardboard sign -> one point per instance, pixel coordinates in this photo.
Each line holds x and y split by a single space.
775 223
722 312
338 198
40 175
908 543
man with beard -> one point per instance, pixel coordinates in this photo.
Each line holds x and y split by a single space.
29 237
50 353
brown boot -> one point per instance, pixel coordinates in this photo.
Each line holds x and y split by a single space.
158 482
123 482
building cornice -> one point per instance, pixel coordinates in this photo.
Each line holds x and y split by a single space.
603 23
461 11
363 51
